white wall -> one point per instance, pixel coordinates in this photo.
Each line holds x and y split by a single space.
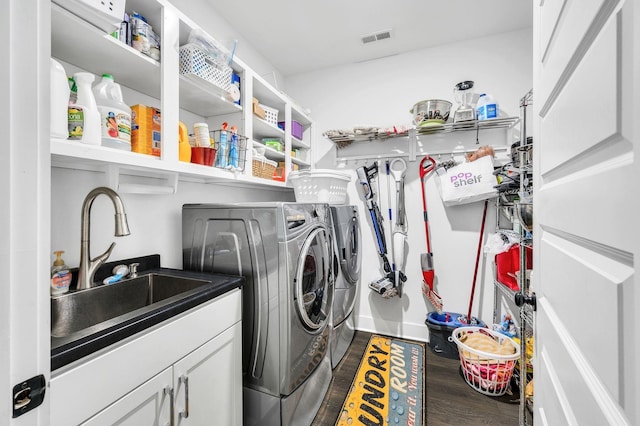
155 221
381 93
203 13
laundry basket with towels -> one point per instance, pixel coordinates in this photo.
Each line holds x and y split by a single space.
487 358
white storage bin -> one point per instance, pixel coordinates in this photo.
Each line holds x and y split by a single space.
320 186
197 62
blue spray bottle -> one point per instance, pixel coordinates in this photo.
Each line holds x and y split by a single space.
233 148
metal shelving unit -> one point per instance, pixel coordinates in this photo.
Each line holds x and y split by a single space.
369 144
525 298
523 301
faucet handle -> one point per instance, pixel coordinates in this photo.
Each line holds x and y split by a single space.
133 270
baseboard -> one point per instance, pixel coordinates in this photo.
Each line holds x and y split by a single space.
402 330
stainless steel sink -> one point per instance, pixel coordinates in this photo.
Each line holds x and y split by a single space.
86 321
111 304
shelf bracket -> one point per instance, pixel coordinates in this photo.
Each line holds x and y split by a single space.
129 180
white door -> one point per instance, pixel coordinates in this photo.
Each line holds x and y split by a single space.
24 212
208 382
586 137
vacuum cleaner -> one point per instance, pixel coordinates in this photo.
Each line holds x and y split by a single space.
386 285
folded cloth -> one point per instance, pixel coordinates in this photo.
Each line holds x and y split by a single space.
484 343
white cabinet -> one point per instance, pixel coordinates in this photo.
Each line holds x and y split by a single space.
149 404
82 46
206 382
189 364
201 386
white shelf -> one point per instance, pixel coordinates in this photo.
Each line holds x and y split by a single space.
77 42
203 98
297 143
299 162
274 155
78 156
262 129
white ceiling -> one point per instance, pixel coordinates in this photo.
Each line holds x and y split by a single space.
301 35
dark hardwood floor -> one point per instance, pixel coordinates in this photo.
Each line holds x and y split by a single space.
450 401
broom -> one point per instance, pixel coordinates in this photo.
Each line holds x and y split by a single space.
426 259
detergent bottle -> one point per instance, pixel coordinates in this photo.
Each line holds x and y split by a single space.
84 118
487 107
59 101
115 115
184 148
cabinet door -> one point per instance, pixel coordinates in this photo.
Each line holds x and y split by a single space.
148 404
208 382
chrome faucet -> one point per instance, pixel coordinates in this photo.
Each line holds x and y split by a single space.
89 266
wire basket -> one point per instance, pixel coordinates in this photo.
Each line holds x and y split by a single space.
270 115
232 155
196 62
263 167
487 372
320 186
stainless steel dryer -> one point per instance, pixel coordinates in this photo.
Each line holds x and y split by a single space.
346 268
283 251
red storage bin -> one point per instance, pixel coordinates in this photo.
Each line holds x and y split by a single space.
508 263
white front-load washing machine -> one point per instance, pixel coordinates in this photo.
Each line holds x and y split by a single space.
346 270
283 251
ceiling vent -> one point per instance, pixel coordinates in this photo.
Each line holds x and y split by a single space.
377 36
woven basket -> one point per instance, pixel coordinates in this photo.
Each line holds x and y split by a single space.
263 168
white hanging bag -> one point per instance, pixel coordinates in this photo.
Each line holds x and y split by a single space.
467 182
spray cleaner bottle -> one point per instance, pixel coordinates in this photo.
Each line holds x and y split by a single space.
221 155
233 148
84 118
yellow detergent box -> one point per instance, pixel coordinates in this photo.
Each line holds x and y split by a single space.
146 130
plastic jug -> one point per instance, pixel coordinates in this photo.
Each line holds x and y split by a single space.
84 118
487 107
59 101
115 115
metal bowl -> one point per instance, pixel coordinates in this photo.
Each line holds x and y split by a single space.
525 215
431 112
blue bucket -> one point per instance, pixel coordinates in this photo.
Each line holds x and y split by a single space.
440 328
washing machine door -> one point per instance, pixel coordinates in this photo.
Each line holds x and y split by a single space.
313 293
350 254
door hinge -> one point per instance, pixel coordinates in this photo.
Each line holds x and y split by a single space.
28 395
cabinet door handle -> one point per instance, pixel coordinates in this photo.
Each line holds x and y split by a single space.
169 391
185 413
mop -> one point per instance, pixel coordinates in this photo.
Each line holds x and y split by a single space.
398 169
385 285
426 259
462 318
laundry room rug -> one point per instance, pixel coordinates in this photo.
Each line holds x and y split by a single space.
388 387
